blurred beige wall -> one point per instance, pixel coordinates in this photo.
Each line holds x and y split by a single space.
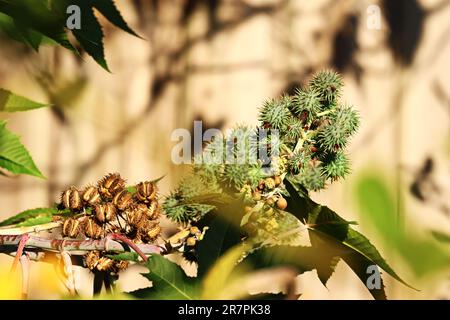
221 67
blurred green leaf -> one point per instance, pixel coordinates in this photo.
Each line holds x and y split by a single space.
377 209
442 237
223 234
13 155
327 228
223 274
10 102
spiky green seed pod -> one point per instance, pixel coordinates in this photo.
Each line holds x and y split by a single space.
241 144
181 212
328 84
298 161
275 114
332 137
238 175
294 131
306 104
346 117
336 166
312 178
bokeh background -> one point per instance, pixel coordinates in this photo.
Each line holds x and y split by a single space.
217 61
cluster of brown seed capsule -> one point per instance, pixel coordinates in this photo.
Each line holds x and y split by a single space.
109 208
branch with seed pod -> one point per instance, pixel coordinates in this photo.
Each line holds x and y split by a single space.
99 221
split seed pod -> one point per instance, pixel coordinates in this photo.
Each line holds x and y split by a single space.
123 199
136 215
151 231
92 229
91 259
91 195
71 199
105 264
110 185
105 212
153 211
146 191
71 228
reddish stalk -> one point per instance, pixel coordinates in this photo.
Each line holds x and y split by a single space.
124 239
23 241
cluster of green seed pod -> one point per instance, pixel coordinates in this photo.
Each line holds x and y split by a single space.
109 207
301 138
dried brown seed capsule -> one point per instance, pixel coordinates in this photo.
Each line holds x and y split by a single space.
146 191
105 212
105 264
282 203
123 199
277 180
91 259
153 210
136 215
71 199
151 231
92 229
121 265
71 228
110 185
91 195
191 241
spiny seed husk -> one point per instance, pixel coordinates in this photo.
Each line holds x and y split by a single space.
123 199
110 185
146 191
105 264
151 231
153 211
91 195
136 215
92 229
71 199
105 212
91 259
71 228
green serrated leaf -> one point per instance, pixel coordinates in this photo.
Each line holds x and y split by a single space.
109 10
90 36
13 155
20 33
34 221
38 16
127 256
29 215
169 281
10 102
333 230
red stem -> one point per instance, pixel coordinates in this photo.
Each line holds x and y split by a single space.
23 241
121 237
